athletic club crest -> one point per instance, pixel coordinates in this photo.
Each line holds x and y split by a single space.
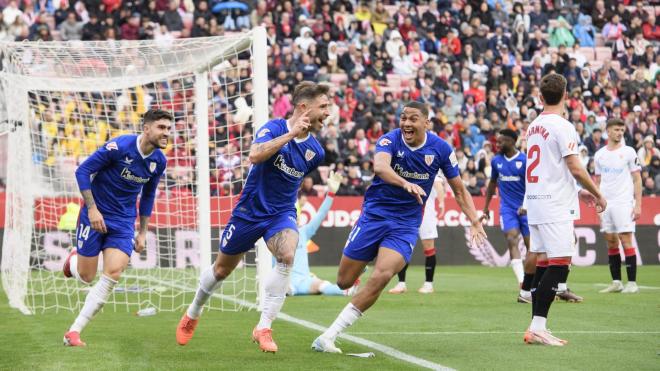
309 155
518 164
429 159
152 166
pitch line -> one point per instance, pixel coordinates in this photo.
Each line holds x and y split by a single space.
641 287
497 332
389 351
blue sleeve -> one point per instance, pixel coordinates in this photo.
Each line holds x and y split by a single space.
310 228
386 143
268 131
494 174
449 163
149 194
97 161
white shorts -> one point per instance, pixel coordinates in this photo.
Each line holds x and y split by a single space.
429 228
617 219
554 239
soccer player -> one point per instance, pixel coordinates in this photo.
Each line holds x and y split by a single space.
406 163
553 166
283 152
110 181
428 232
303 282
618 175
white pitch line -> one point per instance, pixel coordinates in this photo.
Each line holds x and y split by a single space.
641 287
354 339
495 332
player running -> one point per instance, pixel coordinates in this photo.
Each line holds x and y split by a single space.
283 152
110 181
406 163
553 166
304 282
618 175
428 232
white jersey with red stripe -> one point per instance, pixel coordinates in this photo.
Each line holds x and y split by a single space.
551 191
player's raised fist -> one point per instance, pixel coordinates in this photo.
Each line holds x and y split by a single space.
334 181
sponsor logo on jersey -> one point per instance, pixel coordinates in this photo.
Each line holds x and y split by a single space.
126 174
429 159
152 166
263 132
127 161
412 175
384 142
280 164
611 170
309 154
112 146
509 178
518 164
452 159
399 154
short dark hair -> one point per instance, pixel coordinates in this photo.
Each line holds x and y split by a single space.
509 133
419 106
614 122
553 88
308 90
155 115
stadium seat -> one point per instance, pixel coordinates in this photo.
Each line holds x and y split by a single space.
603 53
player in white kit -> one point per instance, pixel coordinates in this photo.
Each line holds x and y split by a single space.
428 232
618 175
551 192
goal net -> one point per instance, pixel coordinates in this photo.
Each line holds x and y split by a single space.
63 100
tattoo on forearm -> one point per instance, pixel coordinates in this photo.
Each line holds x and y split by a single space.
281 242
89 199
144 223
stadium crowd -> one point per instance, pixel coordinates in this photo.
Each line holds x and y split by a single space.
476 64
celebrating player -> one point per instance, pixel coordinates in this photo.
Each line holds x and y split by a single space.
428 232
618 175
553 166
303 282
121 169
406 163
283 152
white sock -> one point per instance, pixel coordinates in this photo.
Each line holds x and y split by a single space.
347 317
525 294
538 323
73 267
277 284
94 301
207 284
517 266
561 287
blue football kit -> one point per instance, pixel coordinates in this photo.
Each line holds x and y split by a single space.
510 176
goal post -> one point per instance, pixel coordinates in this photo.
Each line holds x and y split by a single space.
63 100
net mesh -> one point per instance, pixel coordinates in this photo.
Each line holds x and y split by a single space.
74 97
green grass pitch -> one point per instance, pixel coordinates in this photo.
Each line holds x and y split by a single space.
471 322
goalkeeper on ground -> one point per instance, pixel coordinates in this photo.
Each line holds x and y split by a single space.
304 282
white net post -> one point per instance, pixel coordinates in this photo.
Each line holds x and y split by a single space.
260 78
71 97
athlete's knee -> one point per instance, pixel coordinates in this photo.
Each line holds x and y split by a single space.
220 271
344 283
285 257
114 273
87 277
381 277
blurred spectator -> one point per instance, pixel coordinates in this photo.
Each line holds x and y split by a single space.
71 29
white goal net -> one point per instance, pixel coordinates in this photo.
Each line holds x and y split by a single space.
63 100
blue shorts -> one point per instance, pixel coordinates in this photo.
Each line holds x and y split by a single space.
369 234
301 284
509 219
121 235
240 234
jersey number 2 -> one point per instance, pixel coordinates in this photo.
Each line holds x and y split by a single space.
534 152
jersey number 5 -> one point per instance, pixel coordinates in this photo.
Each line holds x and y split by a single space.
535 153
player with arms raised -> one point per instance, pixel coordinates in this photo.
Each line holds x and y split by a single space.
406 163
110 181
283 152
618 175
553 166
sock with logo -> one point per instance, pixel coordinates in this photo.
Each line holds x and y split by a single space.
631 264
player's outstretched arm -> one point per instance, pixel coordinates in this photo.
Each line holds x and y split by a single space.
580 174
466 204
262 151
490 192
146 206
383 169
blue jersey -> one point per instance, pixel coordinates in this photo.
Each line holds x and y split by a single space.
510 176
416 165
271 186
117 173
